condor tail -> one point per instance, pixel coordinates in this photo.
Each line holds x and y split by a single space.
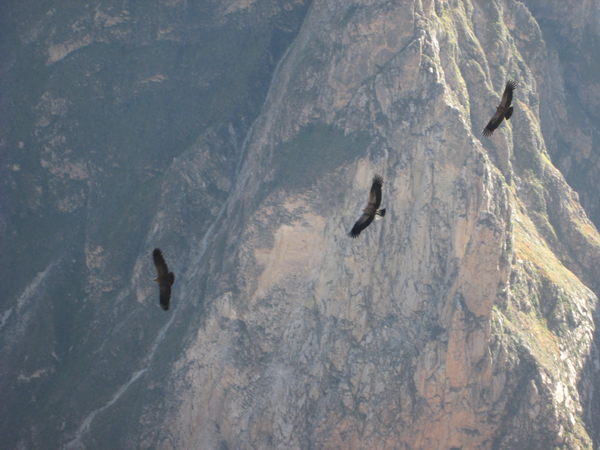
380 212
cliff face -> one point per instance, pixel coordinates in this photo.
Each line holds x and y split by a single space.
462 320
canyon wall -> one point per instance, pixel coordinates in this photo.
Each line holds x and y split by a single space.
241 137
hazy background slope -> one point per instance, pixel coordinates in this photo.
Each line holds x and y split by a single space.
101 103
241 138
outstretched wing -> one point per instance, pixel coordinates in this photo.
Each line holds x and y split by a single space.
165 291
493 124
162 269
508 94
375 194
362 223
164 277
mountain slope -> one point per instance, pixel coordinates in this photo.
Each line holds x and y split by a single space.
462 320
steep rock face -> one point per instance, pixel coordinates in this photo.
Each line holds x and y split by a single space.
462 320
570 92
457 322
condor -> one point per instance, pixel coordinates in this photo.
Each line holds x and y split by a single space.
164 278
503 111
371 210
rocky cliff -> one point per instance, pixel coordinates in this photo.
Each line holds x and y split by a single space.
241 138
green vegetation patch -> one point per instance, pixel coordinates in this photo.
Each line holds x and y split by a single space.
495 31
316 150
531 331
531 247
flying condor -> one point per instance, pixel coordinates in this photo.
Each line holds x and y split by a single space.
371 210
164 278
503 111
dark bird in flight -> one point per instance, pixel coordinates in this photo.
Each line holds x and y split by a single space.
503 111
372 208
164 278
